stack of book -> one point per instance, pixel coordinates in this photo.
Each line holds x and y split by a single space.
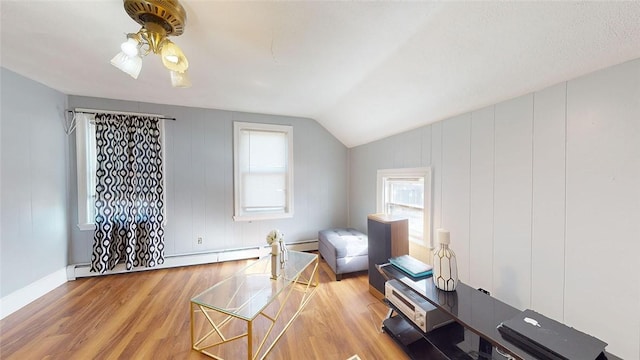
412 266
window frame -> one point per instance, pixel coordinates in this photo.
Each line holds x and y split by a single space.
409 173
85 141
85 147
238 213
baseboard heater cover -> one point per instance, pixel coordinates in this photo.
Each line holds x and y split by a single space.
82 270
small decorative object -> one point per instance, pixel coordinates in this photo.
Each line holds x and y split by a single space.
445 266
278 252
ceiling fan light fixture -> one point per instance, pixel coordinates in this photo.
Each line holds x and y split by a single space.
155 35
159 19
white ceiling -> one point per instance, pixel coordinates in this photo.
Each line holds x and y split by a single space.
364 70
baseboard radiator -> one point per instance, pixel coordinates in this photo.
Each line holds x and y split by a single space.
82 270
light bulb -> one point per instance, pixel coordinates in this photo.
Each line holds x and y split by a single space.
172 58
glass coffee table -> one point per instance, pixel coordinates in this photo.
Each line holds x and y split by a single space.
251 307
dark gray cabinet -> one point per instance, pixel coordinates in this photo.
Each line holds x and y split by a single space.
388 237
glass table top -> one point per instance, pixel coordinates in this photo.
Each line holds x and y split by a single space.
246 293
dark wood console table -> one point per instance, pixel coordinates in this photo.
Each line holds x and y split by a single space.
473 335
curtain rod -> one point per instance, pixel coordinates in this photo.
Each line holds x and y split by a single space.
93 112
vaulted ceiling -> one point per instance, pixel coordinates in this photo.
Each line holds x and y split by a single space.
364 70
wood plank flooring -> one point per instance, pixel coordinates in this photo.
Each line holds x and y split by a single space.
146 315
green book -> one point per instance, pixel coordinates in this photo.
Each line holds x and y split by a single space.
412 266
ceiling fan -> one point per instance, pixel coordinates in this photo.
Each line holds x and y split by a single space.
159 19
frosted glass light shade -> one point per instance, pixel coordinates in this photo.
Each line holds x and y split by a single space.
129 64
180 79
173 58
130 47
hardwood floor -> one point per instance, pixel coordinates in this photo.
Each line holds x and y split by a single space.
146 315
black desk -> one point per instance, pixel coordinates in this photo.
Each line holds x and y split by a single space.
473 335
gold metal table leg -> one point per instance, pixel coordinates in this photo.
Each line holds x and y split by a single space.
309 286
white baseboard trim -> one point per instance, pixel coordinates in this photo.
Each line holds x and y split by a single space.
24 296
82 270
305 245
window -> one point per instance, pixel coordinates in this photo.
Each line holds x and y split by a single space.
263 171
86 169
407 193
86 159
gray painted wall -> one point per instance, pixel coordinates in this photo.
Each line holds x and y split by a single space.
535 191
199 174
33 188
541 194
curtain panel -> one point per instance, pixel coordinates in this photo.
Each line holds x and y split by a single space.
129 193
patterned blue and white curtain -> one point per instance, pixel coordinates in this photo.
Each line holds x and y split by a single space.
129 192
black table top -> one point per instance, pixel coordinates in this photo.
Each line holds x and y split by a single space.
470 307
473 309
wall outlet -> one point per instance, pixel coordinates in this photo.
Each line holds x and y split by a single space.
199 240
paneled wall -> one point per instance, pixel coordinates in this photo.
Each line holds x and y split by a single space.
199 175
602 240
541 194
34 152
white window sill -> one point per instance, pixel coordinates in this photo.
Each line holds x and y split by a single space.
262 217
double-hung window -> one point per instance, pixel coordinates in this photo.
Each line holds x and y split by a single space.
263 171
407 193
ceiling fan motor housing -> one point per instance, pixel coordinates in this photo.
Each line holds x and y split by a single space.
167 13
